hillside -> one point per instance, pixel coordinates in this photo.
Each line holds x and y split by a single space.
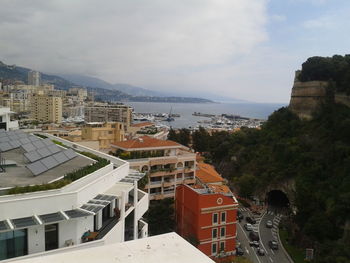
314 154
103 90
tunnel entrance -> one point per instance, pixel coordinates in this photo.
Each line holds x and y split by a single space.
277 201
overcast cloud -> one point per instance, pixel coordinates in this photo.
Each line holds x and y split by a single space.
217 46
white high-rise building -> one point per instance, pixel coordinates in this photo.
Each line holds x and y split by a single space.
34 78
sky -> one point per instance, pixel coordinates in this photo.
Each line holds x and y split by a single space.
245 49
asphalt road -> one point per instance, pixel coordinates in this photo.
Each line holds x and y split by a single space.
266 234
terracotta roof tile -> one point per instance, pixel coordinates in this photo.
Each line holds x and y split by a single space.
142 124
207 173
219 188
146 142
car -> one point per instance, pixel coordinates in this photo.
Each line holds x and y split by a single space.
254 236
269 224
273 244
261 252
254 244
239 215
248 227
250 220
239 251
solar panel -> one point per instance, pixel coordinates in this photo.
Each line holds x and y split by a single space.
44 152
50 218
39 144
60 157
24 222
4 139
15 144
33 138
70 153
49 162
4 226
53 148
28 147
22 135
48 142
32 156
92 208
75 213
24 141
5 146
37 168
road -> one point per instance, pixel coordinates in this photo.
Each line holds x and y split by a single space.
266 234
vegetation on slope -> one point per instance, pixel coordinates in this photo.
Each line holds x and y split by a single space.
315 153
336 69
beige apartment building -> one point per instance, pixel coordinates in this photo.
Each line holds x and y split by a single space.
46 109
109 113
166 163
105 133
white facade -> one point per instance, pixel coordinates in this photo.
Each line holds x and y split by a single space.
108 182
5 120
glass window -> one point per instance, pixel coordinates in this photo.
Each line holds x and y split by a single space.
222 232
215 218
214 248
223 217
13 244
222 246
214 232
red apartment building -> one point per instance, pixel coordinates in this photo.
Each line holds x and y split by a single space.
206 216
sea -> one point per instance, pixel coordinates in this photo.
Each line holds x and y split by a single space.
187 120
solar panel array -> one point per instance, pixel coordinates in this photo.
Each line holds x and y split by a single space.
10 140
51 161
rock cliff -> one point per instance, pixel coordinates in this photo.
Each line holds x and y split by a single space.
307 96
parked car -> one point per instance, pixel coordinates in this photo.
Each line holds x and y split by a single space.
239 251
248 227
254 236
269 224
239 215
254 244
261 252
273 244
250 220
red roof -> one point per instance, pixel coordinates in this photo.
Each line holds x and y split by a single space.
142 124
206 173
145 142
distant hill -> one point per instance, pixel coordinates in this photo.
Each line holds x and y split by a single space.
99 83
102 89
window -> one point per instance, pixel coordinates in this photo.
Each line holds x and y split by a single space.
215 218
214 233
223 217
13 244
214 248
222 246
222 232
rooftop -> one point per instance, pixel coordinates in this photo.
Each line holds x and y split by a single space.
146 142
142 124
30 160
206 173
170 248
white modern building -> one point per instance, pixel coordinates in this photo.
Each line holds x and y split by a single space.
5 120
170 248
102 207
